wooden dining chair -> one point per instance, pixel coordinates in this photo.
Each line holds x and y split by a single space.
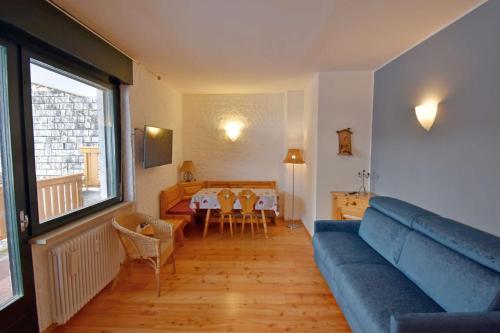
226 200
247 199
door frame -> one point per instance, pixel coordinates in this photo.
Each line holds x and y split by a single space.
21 313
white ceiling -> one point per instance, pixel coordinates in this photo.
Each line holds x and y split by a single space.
251 45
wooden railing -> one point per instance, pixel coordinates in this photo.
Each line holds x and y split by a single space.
90 166
59 195
56 196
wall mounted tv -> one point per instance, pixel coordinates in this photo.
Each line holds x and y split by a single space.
157 146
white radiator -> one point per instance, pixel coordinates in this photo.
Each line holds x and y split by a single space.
80 268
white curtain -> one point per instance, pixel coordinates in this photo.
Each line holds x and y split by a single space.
128 162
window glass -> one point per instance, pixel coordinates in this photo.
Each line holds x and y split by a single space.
74 141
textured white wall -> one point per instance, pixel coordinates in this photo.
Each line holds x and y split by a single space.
345 100
310 152
153 102
256 155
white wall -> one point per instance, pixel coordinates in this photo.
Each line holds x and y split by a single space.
256 155
294 138
345 99
310 151
154 102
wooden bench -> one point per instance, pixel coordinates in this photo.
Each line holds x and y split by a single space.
175 200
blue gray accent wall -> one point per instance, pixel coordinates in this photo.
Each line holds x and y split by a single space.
453 170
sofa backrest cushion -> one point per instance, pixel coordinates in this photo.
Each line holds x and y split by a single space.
401 211
472 243
383 234
455 282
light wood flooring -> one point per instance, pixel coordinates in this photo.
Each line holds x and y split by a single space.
221 285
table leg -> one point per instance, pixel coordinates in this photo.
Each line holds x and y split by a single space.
207 221
264 222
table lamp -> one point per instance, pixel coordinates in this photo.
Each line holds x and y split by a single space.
187 169
293 156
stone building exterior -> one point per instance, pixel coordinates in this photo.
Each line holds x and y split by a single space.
62 124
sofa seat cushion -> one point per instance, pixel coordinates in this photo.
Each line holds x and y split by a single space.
375 292
181 208
337 248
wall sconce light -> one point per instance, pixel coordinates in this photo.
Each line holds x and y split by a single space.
426 114
233 130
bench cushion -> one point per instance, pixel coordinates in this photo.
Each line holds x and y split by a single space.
181 208
375 292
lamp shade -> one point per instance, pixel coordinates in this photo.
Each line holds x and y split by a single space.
294 156
187 166
426 114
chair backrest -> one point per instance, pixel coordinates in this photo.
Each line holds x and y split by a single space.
131 220
226 200
135 244
247 199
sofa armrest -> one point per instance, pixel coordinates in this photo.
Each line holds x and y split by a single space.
338 226
446 322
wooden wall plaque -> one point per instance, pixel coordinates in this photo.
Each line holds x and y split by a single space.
345 146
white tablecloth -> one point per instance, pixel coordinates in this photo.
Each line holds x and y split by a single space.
206 198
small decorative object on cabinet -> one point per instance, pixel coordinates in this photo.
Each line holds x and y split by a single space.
363 175
345 147
187 169
349 205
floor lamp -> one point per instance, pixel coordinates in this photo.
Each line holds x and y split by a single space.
293 156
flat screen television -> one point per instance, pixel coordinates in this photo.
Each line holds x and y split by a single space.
157 146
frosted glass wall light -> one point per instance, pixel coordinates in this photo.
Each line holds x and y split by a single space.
426 114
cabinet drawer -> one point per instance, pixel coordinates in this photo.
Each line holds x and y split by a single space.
351 201
353 213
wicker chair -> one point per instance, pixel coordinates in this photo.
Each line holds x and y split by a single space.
154 250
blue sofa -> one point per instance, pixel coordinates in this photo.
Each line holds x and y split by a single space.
403 269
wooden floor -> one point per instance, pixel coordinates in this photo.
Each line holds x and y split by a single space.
222 285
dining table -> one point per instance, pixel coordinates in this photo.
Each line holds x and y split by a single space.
206 198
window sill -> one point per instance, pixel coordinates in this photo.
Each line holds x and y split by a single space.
80 225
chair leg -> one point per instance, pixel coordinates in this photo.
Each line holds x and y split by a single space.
242 224
221 224
115 280
157 274
207 221
231 225
264 222
257 223
174 269
251 224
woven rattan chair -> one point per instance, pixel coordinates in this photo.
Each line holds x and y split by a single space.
154 250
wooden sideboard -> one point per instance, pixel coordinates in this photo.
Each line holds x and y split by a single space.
347 206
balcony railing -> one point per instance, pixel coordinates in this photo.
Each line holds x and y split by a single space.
56 196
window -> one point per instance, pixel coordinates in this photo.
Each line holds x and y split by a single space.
75 142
